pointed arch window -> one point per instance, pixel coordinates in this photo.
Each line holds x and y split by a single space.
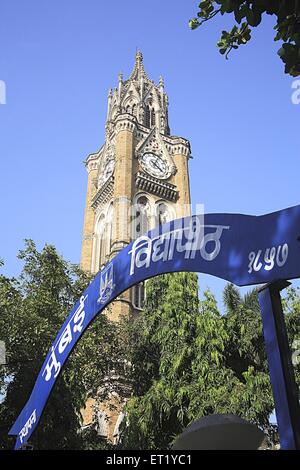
134 110
147 116
99 244
162 214
141 217
108 229
116 434
102 427
102 239
152 117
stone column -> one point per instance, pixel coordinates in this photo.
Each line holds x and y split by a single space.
181 179
122 200
123 183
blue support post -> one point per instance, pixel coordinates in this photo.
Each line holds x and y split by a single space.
281 370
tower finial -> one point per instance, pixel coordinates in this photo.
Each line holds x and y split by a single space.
138 58
138 71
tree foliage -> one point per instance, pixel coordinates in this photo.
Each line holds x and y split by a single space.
32 309
291 305
179 360
248 14
190 361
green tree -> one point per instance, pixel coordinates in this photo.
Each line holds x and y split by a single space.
243 322
245 355
187 363
291 306
180 360
244 326
32 309
248 14
161 362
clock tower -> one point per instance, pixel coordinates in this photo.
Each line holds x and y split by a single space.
138 179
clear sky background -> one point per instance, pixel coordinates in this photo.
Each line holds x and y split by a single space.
58 60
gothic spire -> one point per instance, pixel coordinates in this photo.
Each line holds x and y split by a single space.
140 97
138 70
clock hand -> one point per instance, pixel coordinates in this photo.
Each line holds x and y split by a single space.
161 165
156 166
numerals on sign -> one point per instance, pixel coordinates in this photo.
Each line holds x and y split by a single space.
268 259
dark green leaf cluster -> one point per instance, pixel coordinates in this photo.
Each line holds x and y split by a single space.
32 310
190 361
287 14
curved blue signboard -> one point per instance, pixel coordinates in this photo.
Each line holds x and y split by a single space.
241 249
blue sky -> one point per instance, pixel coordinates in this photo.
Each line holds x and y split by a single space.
58 60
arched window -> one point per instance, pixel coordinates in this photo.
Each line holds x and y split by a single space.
108 228
102 427
117 427
141 214
138 296
147 116
134 110
99 244
102 239
162 214
128 109
152 117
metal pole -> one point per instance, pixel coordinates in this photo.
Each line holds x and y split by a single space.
281 370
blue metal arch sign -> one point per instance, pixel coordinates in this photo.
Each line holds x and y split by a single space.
241 249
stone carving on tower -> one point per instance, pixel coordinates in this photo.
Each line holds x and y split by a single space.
138 179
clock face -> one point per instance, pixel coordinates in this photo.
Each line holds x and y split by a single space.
107 170
155 165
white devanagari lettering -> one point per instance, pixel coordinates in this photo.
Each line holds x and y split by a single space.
79 315
188 240
52 364
65 339
160 248
214 238
28 425
141 246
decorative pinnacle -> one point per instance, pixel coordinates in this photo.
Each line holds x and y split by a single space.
161 82
138 71
139 58
120 77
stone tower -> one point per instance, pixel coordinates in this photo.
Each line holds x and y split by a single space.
139 178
